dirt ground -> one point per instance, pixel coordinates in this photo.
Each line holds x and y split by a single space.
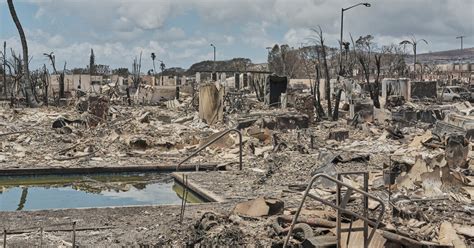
116 227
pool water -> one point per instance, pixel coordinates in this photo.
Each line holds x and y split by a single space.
79 191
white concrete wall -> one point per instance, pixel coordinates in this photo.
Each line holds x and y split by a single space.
71 83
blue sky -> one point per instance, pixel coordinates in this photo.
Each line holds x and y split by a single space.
180 31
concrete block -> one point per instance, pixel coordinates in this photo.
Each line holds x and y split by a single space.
339 135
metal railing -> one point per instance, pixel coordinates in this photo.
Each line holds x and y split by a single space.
41 229
213 141
343 203
341 209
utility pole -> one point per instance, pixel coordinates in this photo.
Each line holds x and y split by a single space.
461 38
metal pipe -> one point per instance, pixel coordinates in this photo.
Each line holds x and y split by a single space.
185 196
182 200
213 141
339 214
42 230
306 193
346 198
366 207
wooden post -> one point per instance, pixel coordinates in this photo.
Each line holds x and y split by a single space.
74 234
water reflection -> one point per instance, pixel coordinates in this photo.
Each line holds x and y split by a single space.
33 193
24 193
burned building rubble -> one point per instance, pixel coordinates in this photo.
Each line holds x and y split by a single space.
356 146
403 171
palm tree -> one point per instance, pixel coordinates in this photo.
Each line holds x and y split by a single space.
52 58
413 42
153 57
92 63
162 66
27 85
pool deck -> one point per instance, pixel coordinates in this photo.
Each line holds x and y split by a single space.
109 226
197 189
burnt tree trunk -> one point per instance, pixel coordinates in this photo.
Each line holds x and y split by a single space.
27 82
5 69
61 82
335 115
317 101
378 65
45 85
327 77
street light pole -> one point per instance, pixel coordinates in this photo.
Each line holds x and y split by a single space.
214 65
342 28
461 37
214 52
340 42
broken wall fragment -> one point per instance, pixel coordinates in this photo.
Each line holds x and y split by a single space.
211 105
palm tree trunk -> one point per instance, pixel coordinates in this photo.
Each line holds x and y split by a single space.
414 61
154 72
27 83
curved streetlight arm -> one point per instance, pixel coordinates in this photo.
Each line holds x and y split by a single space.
348 8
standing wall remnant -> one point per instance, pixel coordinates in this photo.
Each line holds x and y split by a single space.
211 107
274 87
395 87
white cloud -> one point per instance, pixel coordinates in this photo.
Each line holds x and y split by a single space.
145 14
192 42
170 35
294 37
123 28
256 35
